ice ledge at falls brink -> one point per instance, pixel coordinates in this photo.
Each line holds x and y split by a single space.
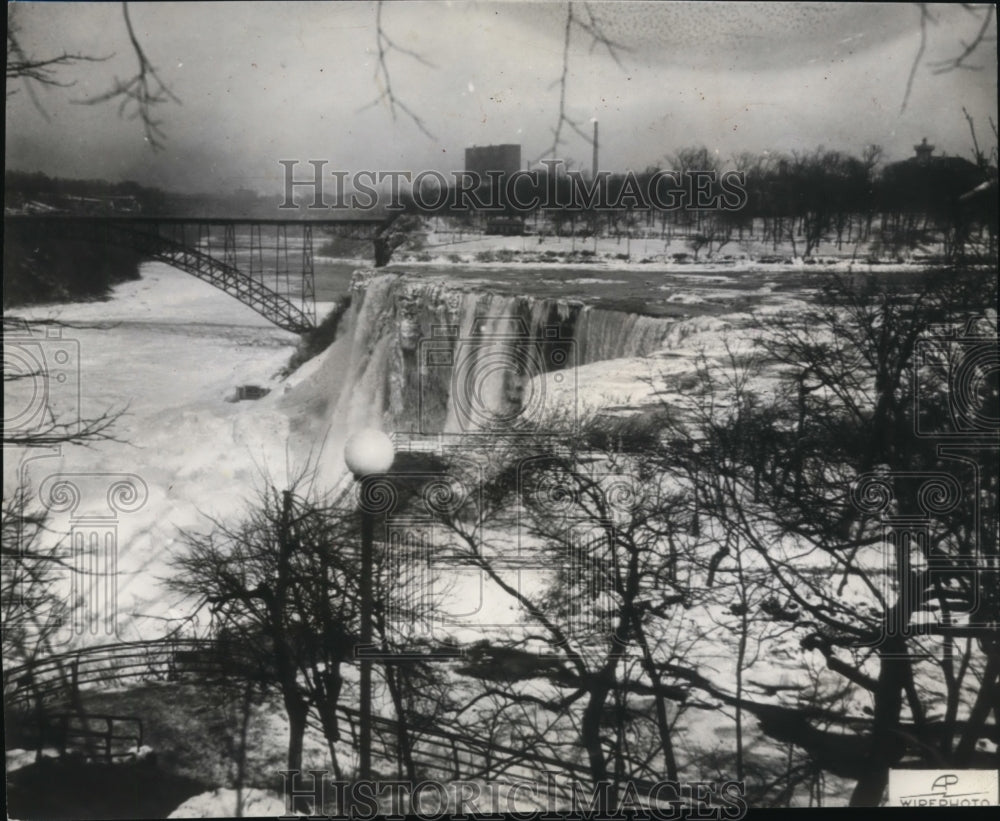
418 355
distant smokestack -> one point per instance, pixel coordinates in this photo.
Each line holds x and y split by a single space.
595 149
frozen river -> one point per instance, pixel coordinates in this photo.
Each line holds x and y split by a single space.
169 350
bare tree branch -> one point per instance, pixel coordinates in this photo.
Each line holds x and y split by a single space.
139 93
952 63
41 70
942 66
385 46
53 432
925 15
592 27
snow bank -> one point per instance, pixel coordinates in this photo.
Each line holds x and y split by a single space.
171 348
225 803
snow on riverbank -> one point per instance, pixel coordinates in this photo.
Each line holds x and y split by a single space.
249 803
648 250
167 349
171 349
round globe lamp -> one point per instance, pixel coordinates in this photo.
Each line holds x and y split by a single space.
369 452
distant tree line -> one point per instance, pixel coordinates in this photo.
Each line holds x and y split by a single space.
941 206
23 187
33 186
802 199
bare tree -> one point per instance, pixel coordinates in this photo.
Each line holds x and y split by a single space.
785 477
282 588
601 525
33 559
983 16
138 96
385 46
582 20
31 70
590 25
280 583
33 611
35 605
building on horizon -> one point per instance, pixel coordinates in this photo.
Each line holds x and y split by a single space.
503 158
491 160
929 183
923 152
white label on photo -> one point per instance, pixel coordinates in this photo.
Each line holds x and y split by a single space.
943 788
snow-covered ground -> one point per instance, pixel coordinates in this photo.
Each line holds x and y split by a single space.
167 349
170 350
647 249
249 803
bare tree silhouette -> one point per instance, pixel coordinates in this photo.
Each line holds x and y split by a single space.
140 94
137 96
951 63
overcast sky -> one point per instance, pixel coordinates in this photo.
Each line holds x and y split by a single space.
259 82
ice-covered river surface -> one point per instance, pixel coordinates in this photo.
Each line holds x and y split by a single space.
165 352
169 351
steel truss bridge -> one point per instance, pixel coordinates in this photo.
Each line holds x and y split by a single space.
267 264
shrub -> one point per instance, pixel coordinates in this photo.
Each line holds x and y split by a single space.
318 339
58 270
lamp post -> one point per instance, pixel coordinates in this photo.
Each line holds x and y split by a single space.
367 453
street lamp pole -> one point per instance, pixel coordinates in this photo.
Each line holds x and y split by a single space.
368 454
367 534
